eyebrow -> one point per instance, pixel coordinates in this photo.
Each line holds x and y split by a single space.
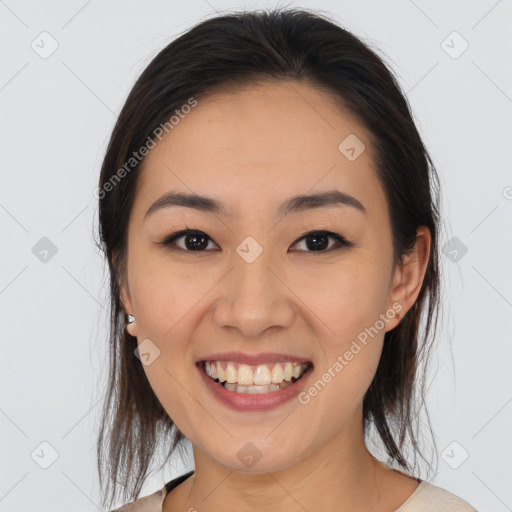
294 204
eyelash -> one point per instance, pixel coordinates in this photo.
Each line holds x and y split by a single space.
342 242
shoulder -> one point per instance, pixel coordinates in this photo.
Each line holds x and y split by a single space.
430 498
150 503
154 502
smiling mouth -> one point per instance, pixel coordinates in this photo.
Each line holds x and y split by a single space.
254 379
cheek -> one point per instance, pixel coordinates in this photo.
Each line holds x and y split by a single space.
163 295
170 389
350 304
347 299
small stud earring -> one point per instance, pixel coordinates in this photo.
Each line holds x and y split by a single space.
130 325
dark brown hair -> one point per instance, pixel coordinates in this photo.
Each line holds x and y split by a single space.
236 50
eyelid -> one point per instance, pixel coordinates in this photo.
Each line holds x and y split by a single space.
341 240
330 234
170 239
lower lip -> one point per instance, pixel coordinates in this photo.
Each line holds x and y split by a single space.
255 402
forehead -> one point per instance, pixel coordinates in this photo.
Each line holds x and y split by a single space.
251 147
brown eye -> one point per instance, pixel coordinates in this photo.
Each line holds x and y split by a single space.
315 241
193 241
318 241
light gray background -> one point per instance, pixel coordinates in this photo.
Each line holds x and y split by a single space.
56 116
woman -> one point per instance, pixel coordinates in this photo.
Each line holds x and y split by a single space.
268 212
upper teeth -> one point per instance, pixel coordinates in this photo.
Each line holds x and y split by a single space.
248 375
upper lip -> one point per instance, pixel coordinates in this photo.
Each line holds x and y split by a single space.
256 359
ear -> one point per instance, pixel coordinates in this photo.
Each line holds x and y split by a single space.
408 277
127 305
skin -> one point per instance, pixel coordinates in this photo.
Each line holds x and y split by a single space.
252 149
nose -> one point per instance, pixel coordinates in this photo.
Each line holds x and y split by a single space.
254 298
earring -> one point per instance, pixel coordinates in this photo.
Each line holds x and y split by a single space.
130 324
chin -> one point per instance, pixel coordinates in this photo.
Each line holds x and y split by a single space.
250 457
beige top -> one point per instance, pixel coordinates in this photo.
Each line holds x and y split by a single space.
426 498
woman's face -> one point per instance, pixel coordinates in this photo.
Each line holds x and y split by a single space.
249 284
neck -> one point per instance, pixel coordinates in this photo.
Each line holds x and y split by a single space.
341 475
